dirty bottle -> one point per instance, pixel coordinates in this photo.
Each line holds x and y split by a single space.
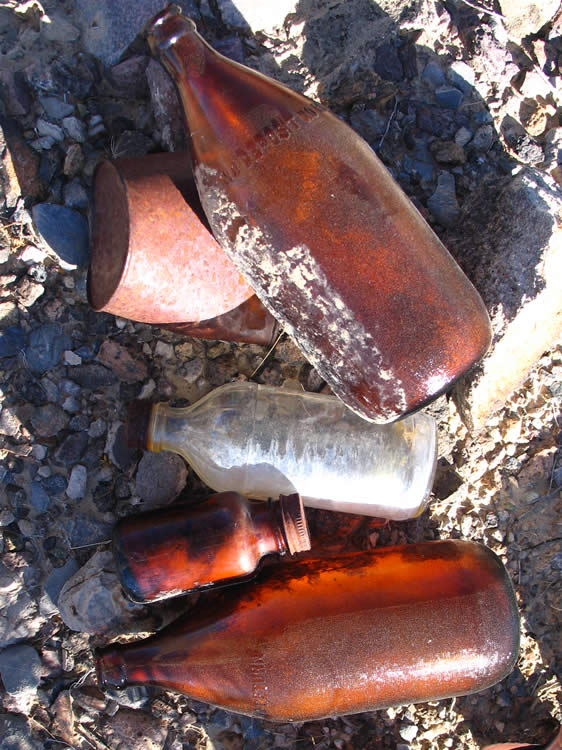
327 239
263 442
184 548
325 637
153 258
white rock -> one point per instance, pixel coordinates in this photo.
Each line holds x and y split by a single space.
72 359
256 14
77 482
164 350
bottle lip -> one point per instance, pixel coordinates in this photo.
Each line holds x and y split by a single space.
137 425
166 26
295 527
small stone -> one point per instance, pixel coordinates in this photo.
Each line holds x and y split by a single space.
53 585
48 420
39 498
75 129
97 429
79 423
166 107
54 485
57 28
132 143
433 73
72 449
408 732
56 109
129 77
38 451
64 231
8 313
83 530
448 152
462 76
49 129
448 97
14 93
20 669
525 17
71 405
72 359
12 341
164 350
93 376
463 136
483 139
160 478
74 160
75 194
77 482
123 365
96 126
443 203
388 64
193 370
29 292
45 347
32 255
369 123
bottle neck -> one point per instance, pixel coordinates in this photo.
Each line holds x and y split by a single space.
268 528
166 428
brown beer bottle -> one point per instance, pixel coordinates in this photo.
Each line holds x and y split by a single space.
325 637
183 548
326 238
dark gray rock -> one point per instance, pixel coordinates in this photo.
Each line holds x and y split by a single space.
20 669
16 734
75 195
483 139
45 347
448 97
93 376
54 485
128 77
48 420
77 482
53 585
50 166
12 341
433 73
443 203
50 130
110 26
132 143
166 107
388 64
160 478
461 76
75 129
72 449
39 498
83 530
56 108
79 423
64 231
369 123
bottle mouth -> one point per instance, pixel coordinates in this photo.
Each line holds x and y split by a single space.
295 527
166 26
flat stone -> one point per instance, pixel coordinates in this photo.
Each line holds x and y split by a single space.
75 129
122 364
45 347
110 26
448 97
448 152
524 17
64 231
463 136
39 498
48 420
20 669
77 482
56 108
55 484
72 449
443 203
93 376
433 73
84 530
511 249
10 424
73 163
160 478
46 128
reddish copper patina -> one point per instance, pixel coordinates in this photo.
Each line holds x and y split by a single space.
328 240
330 636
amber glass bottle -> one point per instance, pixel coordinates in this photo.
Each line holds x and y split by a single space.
326 637
326 238
183 548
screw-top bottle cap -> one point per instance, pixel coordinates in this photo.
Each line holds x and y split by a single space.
136 427
295 527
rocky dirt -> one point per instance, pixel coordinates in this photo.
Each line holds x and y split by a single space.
462 104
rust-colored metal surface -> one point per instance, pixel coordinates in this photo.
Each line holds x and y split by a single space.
250 323
152 258
328 240
325 637
177 550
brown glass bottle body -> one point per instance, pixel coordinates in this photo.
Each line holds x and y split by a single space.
325 637
328 241
184 548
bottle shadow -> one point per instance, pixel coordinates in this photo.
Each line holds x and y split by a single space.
423 115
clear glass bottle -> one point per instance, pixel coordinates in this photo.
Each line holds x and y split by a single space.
263 441
324 235
184 548
332 636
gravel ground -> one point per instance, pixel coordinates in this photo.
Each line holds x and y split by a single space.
451 98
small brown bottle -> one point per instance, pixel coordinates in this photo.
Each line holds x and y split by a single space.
325 637
183 548
328 241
